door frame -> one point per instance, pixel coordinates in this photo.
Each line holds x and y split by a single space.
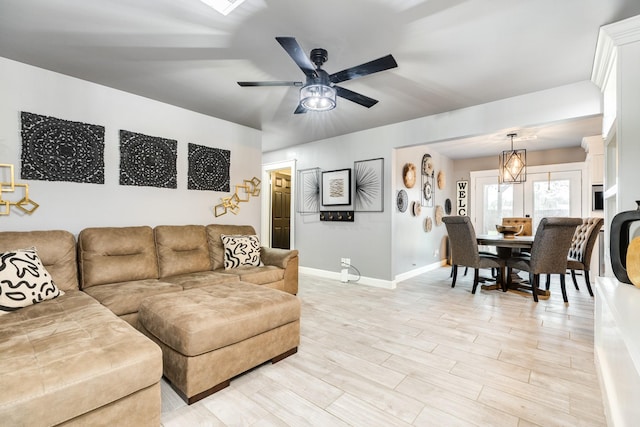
265 218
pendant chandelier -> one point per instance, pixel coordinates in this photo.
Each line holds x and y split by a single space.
513 165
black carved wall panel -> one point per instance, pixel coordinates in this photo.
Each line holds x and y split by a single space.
60 150
208 168
147 160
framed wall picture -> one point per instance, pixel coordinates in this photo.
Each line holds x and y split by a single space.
369 185
336 187
309 190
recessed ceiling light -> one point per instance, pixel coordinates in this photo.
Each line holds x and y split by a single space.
223 6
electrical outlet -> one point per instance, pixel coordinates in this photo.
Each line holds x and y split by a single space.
436 253
344 275
345 262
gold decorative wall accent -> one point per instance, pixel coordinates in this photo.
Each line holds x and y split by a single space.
25 204
243 193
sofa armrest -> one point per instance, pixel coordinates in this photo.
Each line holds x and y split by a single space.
278 257
286 259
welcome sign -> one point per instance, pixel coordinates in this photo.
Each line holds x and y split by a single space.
462 196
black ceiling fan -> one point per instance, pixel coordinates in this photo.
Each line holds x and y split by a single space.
319 91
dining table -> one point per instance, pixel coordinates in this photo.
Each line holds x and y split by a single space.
506 247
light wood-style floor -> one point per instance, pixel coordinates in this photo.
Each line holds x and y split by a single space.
423 354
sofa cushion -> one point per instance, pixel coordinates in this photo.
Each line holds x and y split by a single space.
181 249
116 254
258 275
125 297
202 278
24 280
200 320
56 249
241 251
66 357
214 239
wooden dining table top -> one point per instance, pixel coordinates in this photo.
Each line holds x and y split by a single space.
500 241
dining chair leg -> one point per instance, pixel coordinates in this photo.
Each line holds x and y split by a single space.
465 271
476 279
564 290
548 283
454 271
534 281
587 281
575 282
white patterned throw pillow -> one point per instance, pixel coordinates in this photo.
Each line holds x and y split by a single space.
241 251
24 280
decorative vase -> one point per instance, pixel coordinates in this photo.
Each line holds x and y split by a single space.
619 242
633 261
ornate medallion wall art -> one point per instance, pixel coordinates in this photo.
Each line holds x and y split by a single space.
60 150
369 185
409 175
402 201
147 160
208 168
427 186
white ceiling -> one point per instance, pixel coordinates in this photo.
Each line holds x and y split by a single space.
451 54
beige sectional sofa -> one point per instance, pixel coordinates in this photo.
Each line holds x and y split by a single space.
70 360
80 358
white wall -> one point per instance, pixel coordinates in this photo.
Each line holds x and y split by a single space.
366 240
414 248
74 206
371 241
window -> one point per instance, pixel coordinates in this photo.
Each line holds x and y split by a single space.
551 190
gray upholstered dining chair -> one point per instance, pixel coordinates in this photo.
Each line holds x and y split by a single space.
464 249
584 239
548 254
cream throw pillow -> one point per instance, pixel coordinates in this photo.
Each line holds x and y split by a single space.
24 280
241 251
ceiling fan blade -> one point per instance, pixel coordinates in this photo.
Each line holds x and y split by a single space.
352 96
297 54
300 110
377 65
275 83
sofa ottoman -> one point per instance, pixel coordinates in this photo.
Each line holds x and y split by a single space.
211 334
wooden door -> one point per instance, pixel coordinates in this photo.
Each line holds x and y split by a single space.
280 210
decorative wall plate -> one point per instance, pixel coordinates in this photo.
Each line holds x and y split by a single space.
427 164
439 214
447 206
427 191
441 180
428 224
402 201
409 175
416 208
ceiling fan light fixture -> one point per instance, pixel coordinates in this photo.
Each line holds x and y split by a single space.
318 97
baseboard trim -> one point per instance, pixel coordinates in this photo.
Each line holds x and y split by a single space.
368 281
371 281
421 270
